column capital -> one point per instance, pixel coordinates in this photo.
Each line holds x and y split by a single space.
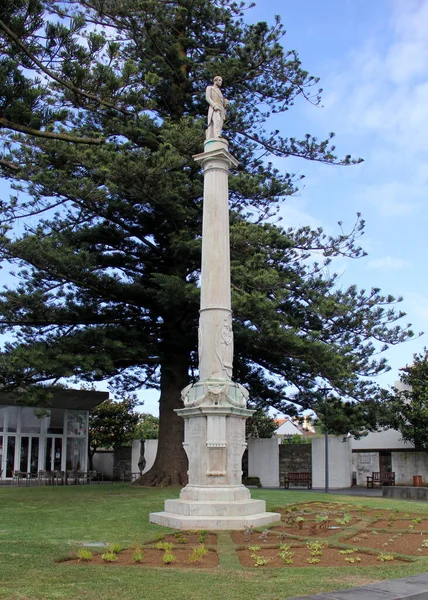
218 152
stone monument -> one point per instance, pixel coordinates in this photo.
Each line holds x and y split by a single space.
215 410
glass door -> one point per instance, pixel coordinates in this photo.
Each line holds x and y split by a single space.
29 454
10 455
53 454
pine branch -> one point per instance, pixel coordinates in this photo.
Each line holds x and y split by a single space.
55 77
64 137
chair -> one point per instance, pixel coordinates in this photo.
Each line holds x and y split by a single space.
46 477
71 477
93 476
59 477
18 476
82 477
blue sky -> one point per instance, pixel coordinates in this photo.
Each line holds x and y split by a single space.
372 58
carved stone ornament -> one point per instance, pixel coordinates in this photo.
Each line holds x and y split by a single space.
224 346
214 393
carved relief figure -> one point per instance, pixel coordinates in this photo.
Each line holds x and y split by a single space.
224 346
217 109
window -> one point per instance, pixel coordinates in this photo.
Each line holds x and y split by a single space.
30 422
55 420
76 422
12 418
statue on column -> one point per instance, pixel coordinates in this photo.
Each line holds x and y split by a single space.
217 110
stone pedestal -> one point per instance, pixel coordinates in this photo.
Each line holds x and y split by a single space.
215 407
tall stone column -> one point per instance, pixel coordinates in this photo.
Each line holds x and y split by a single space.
215 407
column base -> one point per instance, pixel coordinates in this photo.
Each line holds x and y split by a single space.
232 516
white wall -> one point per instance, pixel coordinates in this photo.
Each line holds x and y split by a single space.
390 439
339 460
263 461
363 463
150 449
407 464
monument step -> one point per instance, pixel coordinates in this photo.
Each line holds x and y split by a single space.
215 508
211 523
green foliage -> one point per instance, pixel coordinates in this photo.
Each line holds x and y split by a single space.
169 557
114 548
166 546
260 425
147 427
259 560
84 555
138 556
109 557
407 410
112 424
297 439
198 553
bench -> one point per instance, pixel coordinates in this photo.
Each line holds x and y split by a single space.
380 477
303 477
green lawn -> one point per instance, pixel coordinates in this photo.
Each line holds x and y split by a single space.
40 525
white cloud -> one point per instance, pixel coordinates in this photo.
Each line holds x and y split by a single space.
388 263
383 87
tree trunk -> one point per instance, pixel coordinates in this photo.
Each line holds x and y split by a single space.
170 466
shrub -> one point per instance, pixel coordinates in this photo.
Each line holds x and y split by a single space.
84 555
109 556
138 556
169 557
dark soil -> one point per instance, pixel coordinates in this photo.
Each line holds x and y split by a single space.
330 557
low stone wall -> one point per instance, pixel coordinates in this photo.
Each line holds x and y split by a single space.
405 493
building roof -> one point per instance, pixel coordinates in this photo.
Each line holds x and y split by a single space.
71 399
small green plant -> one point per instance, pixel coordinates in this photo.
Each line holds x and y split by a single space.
315 548
159 537
259 560
180 537
114 548
254 548
406 515
312 560
138 556
84 555
299 522
203 536
109 557
411 527
169 557
198 553
424 544
385 557
348 551
286 557
416 520
165 546
364 536
344 520
353 559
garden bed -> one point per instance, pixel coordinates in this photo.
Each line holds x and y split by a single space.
151 557
300 556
